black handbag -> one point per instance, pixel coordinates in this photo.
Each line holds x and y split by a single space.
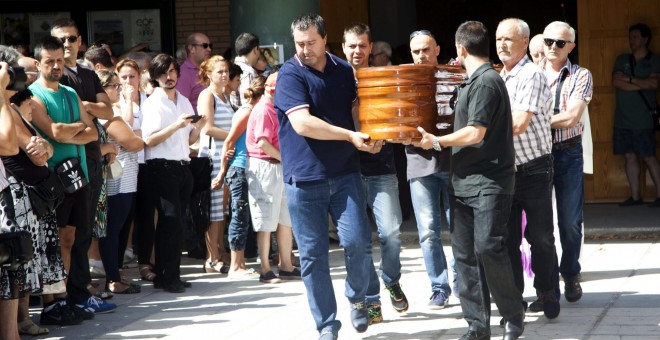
15 249
70 171
46 195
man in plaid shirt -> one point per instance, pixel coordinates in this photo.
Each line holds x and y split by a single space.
571 87
531 110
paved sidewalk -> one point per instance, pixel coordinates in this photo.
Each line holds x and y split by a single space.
621 301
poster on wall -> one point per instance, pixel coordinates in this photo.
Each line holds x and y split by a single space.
274 54
123 30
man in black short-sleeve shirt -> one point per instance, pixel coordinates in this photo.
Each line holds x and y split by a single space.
481 189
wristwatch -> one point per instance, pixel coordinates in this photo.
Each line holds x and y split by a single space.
436 144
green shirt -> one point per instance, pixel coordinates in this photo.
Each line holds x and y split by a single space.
631 111
59 111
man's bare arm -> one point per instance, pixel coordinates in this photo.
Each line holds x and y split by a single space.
102 109
60 132
570 117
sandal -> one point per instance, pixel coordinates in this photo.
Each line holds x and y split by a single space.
131 288
146 273
28 327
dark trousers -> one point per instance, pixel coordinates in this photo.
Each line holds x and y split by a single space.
172 186
79 277
533 194
479 232
145 208
120 209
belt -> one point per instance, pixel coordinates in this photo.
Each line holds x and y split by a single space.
533 163
568 143
271 160
166 162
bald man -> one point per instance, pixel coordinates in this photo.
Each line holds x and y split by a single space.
536 48
198 48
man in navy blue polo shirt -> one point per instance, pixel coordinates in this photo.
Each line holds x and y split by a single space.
319 148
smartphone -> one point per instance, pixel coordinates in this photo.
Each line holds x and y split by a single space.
195 118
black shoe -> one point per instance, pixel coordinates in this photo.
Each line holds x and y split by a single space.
398 298
359 316
83 313
549 304
171 287
197 253
655 204
375 314
476 335
572 289
59 314
630 202
512 331
536 306
524 304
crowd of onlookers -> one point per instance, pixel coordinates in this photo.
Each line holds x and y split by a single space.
159 146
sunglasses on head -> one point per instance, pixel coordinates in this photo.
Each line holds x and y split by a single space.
70 38
560 43
204 45
421 32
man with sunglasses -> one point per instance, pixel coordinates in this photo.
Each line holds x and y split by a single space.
97 104
198 50
635 79
571 88
428 175
530 99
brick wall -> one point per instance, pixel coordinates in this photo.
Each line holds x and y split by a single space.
210 17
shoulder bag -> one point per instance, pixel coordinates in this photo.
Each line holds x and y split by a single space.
70 171
653 110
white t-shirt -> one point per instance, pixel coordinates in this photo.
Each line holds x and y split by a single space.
158 113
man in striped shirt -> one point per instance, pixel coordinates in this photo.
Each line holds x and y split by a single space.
571 87
531 111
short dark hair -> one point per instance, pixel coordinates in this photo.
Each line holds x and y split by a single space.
160 64
245 43
644 31
64 22
99 55
21 96
234 71
306 21
48 43
357 28
473 35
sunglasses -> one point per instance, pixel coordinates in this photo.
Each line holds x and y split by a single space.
421 32
204 45
70 38
560 43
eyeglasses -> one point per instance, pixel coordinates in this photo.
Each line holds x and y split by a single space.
204 45
70 38
421 32
116 86
560 43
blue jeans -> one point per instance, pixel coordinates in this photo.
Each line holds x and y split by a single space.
569 190
478 234
309 205
240 208
382 194
426 193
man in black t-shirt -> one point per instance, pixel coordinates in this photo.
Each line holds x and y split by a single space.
481 188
